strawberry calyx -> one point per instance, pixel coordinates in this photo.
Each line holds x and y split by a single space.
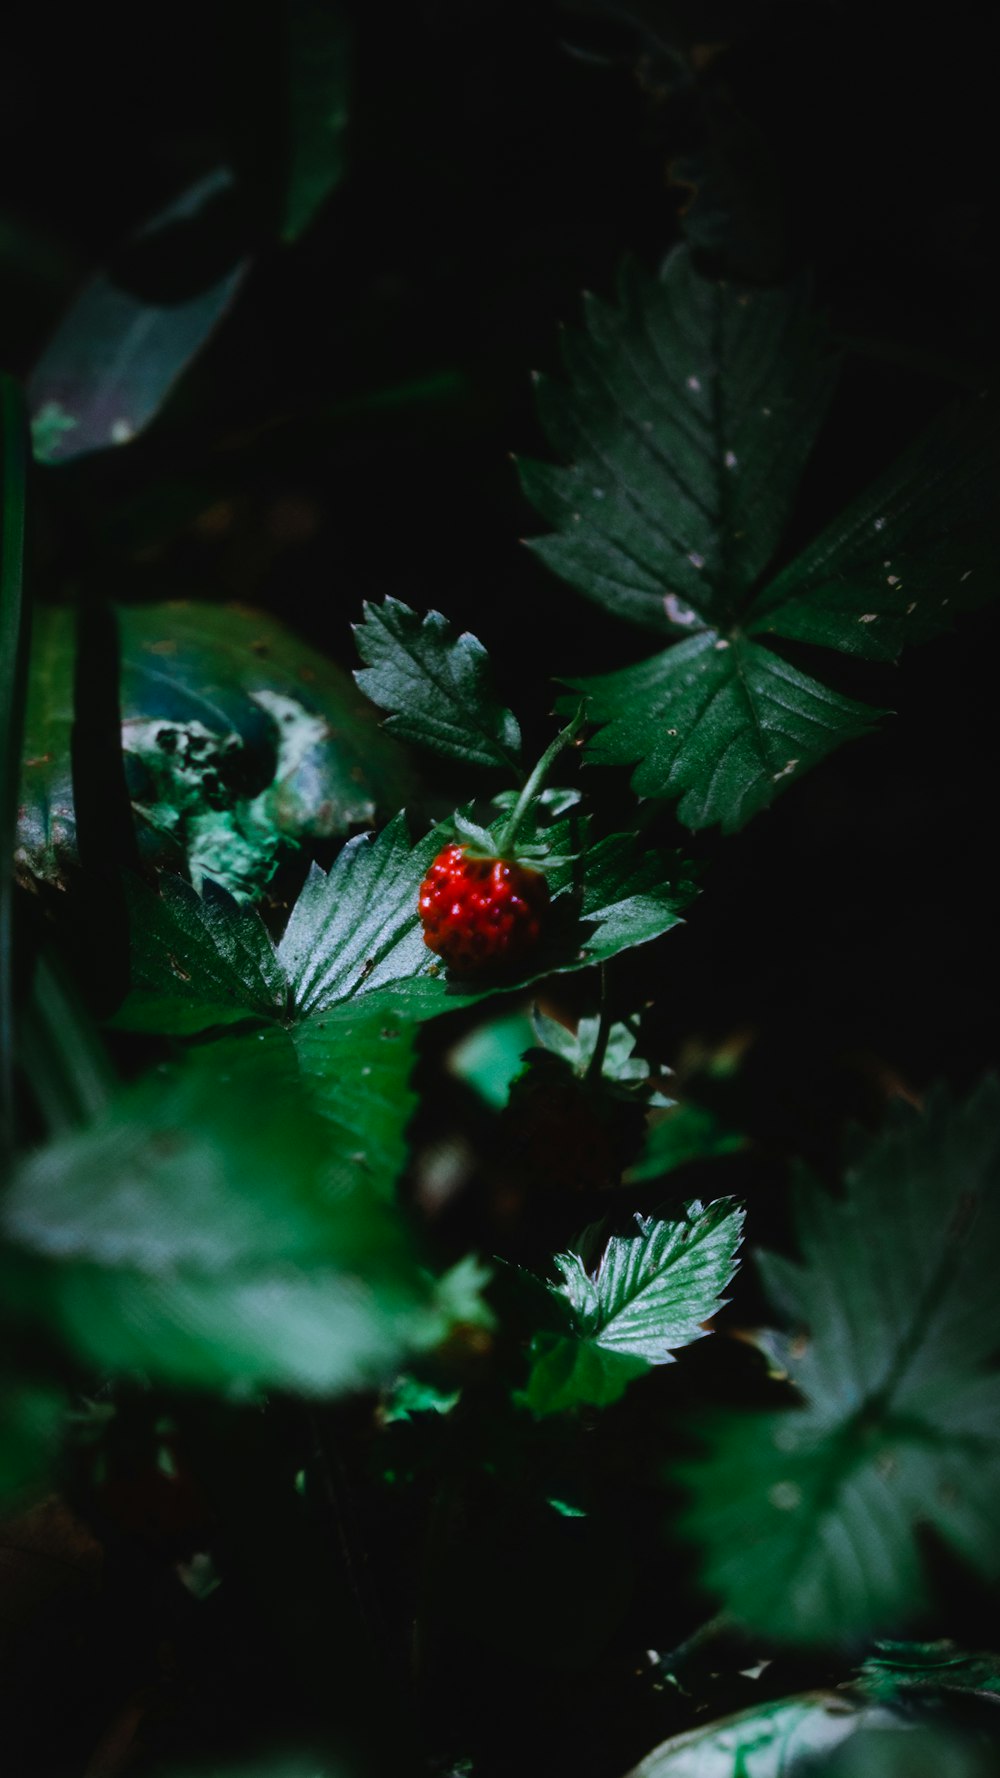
484 899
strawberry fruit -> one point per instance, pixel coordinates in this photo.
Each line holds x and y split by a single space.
481 913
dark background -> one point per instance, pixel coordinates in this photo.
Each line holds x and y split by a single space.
502 157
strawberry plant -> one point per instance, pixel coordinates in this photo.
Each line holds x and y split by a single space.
498 1096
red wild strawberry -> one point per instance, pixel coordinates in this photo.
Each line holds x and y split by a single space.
481 913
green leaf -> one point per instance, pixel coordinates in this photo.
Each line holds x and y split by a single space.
489 1057
115 357
768 1741
354 937
680 1135
809 1515
198 960
690 412
436 685
649 1296
240 741
724 724
916 549
357 930
908 1671
319 57
13 664
577 1047
207 1231
411 1395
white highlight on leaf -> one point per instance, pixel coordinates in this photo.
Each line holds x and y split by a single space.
730 459
868 617
785 772
121 431
880 524
786 1496
695 559
693 383
678 613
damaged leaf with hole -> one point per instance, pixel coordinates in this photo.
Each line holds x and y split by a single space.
239 743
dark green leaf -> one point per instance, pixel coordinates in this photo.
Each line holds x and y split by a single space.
13 664
198 960
690 412
675 1137
688 417
203 961
723 724
319 55
207 1231
915 550
114 358
809 1515
436 685
649 1296
239 741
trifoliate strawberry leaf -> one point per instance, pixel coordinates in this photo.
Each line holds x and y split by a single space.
649 1296
205 1230
810 1515
436 686
689 415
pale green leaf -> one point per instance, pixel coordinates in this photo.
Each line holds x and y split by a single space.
771 1740
649 1296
